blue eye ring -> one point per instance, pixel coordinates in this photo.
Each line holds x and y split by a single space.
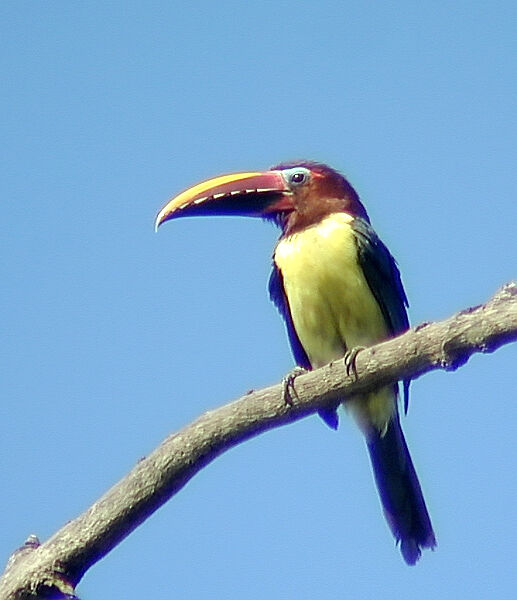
296 176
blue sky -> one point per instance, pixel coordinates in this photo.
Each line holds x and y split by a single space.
115 336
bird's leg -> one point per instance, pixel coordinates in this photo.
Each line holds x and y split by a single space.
288 384
349 360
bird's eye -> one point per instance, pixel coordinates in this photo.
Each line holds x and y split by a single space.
298 177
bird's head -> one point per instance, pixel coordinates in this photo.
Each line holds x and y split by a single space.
294 195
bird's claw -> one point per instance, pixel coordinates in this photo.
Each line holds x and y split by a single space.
289 391
349 360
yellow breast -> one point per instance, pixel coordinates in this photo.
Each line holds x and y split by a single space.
331 304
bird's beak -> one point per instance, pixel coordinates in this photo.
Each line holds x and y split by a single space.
245 194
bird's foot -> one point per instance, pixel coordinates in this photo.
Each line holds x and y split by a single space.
349 360
289 392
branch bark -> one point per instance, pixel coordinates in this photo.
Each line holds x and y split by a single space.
55 567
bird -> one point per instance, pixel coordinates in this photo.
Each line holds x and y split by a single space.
339 289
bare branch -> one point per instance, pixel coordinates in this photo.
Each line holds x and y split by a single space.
60 562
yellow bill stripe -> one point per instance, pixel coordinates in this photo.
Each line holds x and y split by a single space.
199 191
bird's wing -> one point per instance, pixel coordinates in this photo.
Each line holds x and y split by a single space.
279 299
383 277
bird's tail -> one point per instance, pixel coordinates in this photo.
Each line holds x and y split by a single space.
399 489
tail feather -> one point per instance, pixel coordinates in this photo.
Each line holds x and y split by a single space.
400 492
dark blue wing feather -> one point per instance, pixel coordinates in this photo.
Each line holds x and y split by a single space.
395 475
383 277
277 295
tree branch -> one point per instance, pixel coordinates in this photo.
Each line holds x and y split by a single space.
57 565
